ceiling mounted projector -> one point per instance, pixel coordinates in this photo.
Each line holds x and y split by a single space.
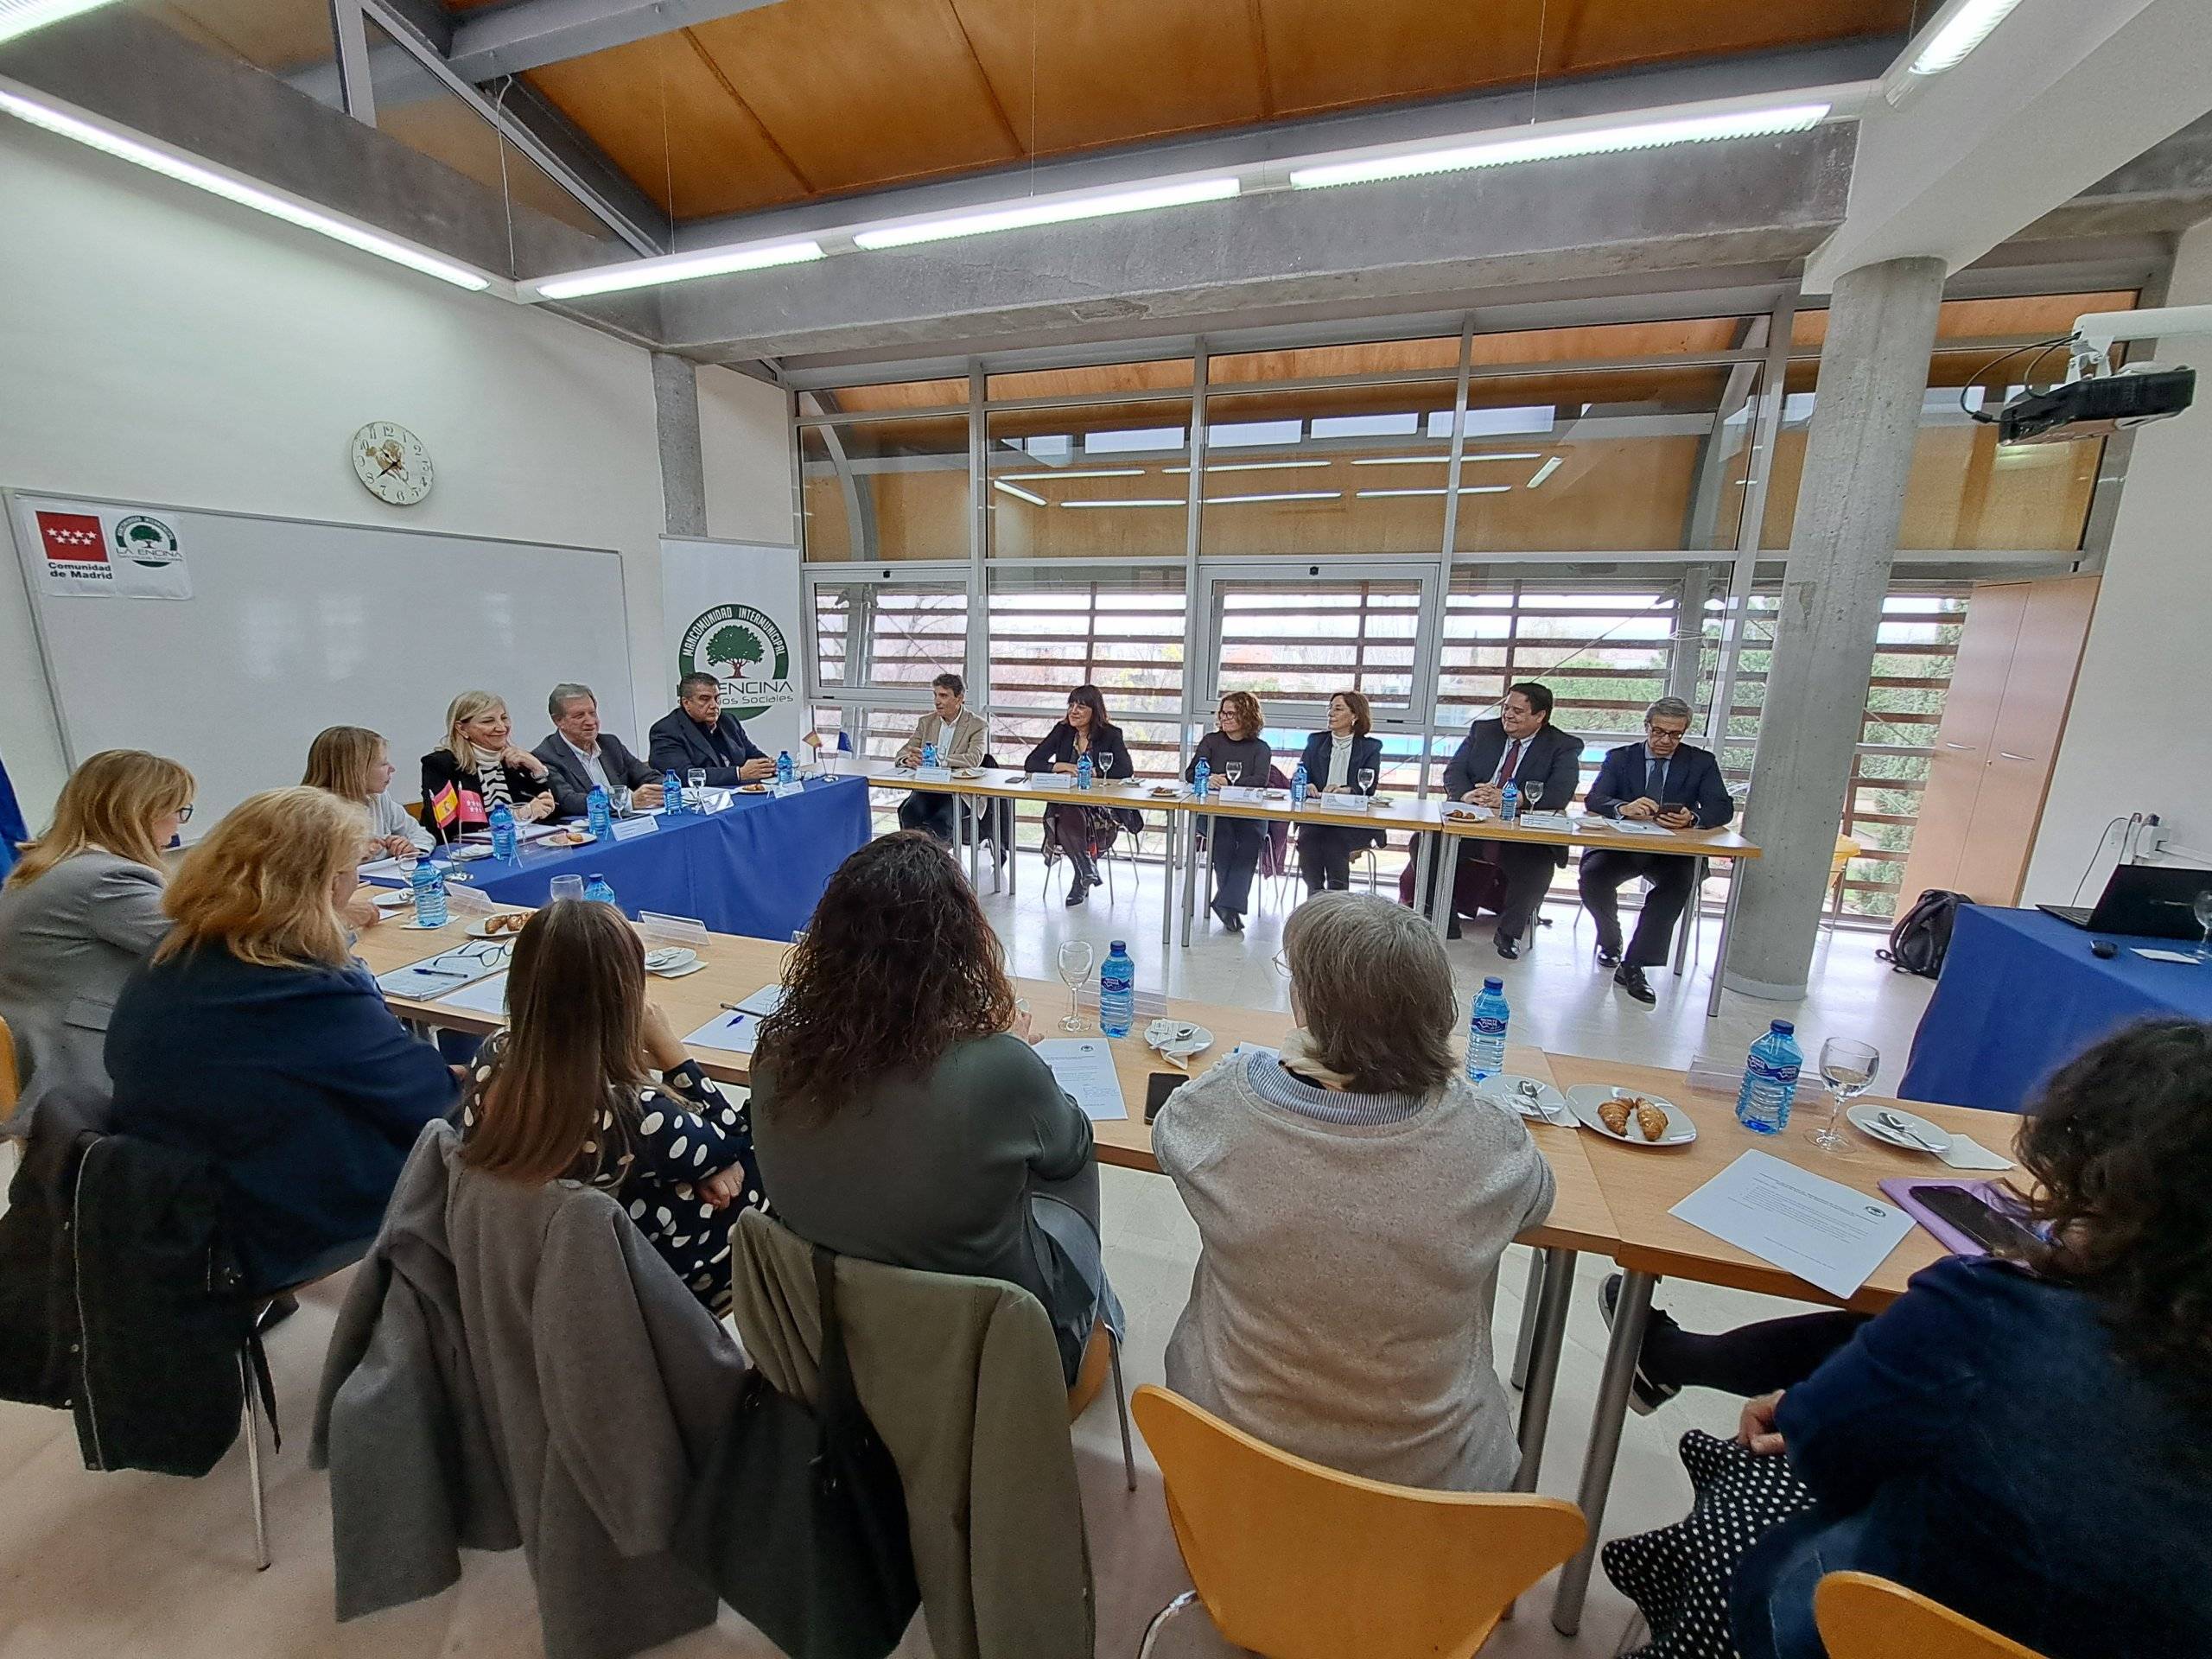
2095 403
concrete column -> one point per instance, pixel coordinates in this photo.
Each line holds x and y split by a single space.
682 462
1873 373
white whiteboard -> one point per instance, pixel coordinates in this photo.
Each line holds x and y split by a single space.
294 625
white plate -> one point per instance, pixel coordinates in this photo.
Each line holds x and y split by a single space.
677 973
1584 1099
480 929
467 854
1864 1115
669 959
1505 1090
968 774
1176 1039
399 899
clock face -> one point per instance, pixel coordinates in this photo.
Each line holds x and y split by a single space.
392 462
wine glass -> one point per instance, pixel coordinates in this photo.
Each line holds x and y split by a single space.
1076 955
620 801
565 886
1232 770
1367 781
2203 908
1847 1066
695 787
1531 794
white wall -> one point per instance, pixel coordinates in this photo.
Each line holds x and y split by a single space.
159 345
2139 738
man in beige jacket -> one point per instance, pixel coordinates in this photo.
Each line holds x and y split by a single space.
961 738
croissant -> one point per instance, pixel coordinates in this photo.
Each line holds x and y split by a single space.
1614 1114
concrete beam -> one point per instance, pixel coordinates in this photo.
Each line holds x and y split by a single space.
2061 96
1441 241
507 40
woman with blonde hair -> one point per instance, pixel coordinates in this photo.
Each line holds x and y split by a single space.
354 764
80 910
1235 753
589 1084
479 766
254 1039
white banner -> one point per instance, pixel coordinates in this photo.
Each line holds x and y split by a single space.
86 550
731 609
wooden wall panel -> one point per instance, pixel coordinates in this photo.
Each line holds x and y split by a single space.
1965 492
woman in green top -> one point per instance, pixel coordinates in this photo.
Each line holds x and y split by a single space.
899 1113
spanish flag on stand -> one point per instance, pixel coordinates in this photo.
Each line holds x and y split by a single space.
451 806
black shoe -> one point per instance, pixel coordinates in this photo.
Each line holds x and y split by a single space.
276 1312
1609 953
1629 978
1452 928
1644 1395
1078 892
1229 919
1506 948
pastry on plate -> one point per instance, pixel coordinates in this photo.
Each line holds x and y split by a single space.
1614 1114
1651 1120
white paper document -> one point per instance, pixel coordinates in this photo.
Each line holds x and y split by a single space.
434 976
1827 1234
485 996
2163 956
734 1032
1638 826
1085 1067
763 1002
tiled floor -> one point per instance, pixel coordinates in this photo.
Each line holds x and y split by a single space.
127 1564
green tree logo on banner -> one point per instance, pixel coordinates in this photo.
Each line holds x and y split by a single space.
745 653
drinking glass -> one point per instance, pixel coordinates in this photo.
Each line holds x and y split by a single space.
407 862
2204 921
565 887
1531 794
695 787
620 801
1076 955
1367 781
1232 770
1847 1066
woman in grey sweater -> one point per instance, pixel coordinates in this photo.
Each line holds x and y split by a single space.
1353 1195
899 1113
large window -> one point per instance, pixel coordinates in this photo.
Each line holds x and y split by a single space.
888 635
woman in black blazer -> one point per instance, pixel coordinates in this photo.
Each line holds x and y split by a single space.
481 767
1334 760
1084 832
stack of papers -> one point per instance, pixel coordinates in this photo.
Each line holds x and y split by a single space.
485 996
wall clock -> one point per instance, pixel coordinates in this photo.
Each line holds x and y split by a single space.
392 463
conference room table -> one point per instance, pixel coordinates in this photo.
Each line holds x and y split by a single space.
1183 814
757 867
2021 995
1611 1199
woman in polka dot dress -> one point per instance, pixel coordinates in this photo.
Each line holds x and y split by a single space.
565 1094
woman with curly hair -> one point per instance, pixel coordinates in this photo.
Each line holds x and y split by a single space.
898 1112
2027 1441
1234 843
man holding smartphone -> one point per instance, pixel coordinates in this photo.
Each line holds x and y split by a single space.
1663 781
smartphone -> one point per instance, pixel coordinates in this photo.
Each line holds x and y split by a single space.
1978 1218
1157 1088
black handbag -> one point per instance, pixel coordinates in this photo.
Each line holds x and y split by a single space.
799 1520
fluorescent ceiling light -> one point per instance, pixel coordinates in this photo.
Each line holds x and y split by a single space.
1161 501
1419 460
1018 492
1254 467
1564 139
1546 470
670 268
1284 495
1079 472
1059 210
20 16
246 193
1465 489
1966 28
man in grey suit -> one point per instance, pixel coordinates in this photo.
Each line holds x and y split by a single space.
579 756
961 738
1521 746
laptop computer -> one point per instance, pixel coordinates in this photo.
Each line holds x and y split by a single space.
2146 901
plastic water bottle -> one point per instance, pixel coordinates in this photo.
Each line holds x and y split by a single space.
1083 770
1199 778
1117 991
503 832
598 815
929 756
598 890
1770 1081
784 771
428 886
1300 784
672 794
1509 802
1486 1025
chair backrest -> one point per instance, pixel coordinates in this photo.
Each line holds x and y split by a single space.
1862 1617
1297 1561
8 1088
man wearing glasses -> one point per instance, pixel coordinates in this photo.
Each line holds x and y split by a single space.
1663 781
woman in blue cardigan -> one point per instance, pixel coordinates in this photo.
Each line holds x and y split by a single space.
1335 760
253 1039
2027 1442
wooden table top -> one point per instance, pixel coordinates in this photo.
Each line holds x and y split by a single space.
1389 812
1641 1184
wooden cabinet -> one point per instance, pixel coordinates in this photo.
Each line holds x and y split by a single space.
2010 687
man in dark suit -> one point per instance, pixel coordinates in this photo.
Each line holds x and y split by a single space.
1521 746
696 733
1665 781
578 756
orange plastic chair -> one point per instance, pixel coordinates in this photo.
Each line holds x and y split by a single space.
1296 1562
7 1087
1862 1617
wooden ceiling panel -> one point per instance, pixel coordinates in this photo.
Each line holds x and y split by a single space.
279 35
859 94
1110 71
666 117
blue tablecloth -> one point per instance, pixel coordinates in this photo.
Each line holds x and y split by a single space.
757 868
2020 996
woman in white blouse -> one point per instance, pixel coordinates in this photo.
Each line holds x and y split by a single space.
1342 760
354 764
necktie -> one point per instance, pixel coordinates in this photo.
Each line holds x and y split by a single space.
1512 761
1655 779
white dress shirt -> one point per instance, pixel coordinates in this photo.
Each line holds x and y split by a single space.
593 770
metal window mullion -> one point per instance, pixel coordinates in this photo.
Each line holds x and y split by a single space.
1198 651
977 658
1750 529
350 39
1429 638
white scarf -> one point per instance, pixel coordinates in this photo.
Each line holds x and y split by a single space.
1299 1053
492 777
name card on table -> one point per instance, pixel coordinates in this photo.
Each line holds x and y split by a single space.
932 774
794 787
1051 780
631 828
1246 792
1350 801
